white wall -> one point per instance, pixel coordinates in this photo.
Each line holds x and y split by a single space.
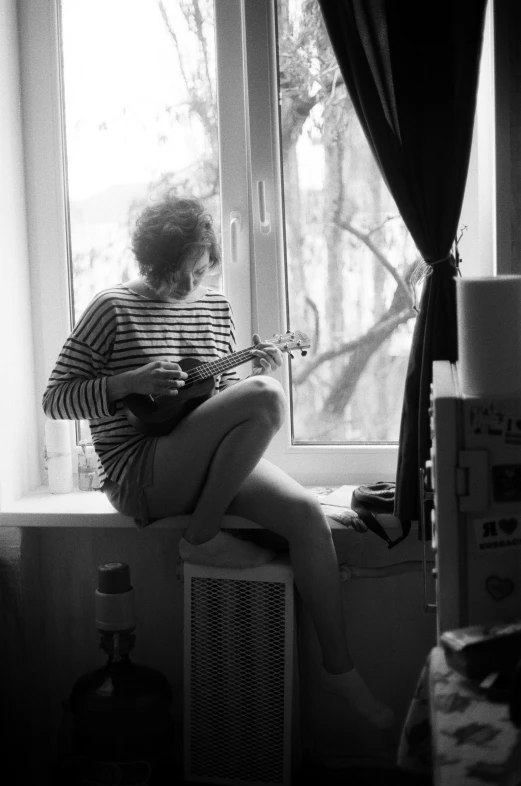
18 434
478 244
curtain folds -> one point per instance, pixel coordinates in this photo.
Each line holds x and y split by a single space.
411 69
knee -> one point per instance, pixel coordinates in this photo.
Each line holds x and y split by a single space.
307 521
268 399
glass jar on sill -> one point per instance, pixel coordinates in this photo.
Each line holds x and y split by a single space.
88 478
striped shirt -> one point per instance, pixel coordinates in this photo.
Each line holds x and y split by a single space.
120 331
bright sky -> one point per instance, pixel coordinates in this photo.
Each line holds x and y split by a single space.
121 71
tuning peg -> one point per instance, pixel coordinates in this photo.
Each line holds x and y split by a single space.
291 356
303 352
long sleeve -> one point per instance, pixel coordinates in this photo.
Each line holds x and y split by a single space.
77 387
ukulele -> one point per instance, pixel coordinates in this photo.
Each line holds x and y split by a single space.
156 416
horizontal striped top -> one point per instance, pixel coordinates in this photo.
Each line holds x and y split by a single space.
119 331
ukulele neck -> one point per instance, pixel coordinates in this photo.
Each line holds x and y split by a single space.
217 367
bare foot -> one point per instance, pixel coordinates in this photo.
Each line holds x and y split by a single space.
225 551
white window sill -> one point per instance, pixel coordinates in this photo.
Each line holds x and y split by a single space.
40 508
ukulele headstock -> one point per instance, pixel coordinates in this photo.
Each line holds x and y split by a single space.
293 339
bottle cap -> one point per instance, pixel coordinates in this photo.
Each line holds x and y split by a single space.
114 578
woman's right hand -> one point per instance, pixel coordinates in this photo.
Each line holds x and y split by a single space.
159 378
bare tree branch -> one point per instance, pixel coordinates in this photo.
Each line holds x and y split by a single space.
366 239
316 318
198 18
383 328
173 35
348 377
201 101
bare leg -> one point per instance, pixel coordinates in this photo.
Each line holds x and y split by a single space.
271 498
216 455
235 458
211 464
200 466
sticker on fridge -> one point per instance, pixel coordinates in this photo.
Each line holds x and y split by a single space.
493 534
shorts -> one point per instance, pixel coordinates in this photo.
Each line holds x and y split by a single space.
128 496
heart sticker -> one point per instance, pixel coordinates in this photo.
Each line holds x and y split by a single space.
499 588
508 525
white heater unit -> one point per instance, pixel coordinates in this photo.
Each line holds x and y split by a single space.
240 681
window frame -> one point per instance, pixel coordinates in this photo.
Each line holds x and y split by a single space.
256 283
45 194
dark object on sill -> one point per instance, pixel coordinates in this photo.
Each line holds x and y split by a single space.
373 499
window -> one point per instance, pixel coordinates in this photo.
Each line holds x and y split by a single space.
349 256
243 104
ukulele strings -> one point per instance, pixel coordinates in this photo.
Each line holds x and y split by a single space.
217 366
220 365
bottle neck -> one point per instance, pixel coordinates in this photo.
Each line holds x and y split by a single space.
117 644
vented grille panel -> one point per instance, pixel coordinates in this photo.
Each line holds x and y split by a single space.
237 668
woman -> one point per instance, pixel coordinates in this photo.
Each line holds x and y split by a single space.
212 462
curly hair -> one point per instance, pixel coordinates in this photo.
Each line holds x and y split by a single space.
170 232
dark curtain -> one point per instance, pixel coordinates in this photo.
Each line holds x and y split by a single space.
411 69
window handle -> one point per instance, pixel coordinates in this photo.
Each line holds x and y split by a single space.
235 228
264 216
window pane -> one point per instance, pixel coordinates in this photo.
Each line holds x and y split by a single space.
140 115
346 246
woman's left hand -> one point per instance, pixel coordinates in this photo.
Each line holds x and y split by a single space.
267 357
